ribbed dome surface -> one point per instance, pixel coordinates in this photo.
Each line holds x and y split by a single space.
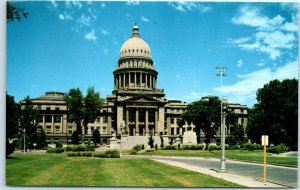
135 46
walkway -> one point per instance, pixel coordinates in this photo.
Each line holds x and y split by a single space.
244 173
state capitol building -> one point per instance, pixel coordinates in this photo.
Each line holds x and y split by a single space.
135 109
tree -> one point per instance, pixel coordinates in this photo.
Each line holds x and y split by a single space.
74 100
41 139
91 108
96 137
11 123
236 135
205 115
151 141
276 113
29 120
75 138
13 12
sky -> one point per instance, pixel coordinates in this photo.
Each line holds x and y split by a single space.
68 44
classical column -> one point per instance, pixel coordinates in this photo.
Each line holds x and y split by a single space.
120 80
129 79
146 123
44 127
154 82
156 122
123 79
126 121
141 77
52 123
61 124
146 80
135 79
136 122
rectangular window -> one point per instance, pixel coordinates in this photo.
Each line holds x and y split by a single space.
48 129
98 119
172 120
104 129
177 131
172 131
92 130
48 118
57 118
48 108
57 129
104 119
70 131
57 109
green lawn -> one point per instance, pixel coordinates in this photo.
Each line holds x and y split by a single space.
242 155
60 170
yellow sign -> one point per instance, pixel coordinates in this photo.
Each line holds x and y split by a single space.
265 140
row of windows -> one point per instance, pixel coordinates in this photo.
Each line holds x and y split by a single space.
136 51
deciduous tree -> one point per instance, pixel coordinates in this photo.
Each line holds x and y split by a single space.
276 113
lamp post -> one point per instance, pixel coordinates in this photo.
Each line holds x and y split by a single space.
221 72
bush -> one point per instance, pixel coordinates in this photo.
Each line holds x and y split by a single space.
58 144
277 149
232 147
133 152
156 147
100 155
251 147
55 150
192 147
150 150
112 154
214 147
78 148
170 147
137 147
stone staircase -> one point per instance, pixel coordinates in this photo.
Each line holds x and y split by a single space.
130 141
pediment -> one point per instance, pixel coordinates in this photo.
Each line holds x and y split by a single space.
142 98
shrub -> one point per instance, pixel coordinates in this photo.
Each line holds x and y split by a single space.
156 147
170 147
151 141
251 147
133 152
277 149
112 154
150 150
214 147
78 148
137 147
55 150
58 144
192 147
232 147
178 147
143 146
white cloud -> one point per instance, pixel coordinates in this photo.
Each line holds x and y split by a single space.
84 20
143 18
54 4
91 36
104 32
132 3
73 3
190 6
103 5
272 36
65 16
239 63
260 64
246 88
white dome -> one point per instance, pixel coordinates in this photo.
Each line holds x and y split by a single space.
135 46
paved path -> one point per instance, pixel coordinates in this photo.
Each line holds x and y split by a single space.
285 176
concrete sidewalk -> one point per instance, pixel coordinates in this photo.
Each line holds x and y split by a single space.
248 182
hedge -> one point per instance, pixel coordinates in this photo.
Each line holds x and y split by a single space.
277 149
55 150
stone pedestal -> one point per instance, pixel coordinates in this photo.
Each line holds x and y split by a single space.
113 142
177 140
189 137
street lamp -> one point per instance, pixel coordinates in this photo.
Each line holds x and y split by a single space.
223 123
221 72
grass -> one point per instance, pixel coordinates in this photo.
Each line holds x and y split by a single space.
242 155
60 170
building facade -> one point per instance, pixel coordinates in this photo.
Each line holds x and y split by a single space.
136 109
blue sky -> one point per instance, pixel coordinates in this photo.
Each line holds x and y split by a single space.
67 44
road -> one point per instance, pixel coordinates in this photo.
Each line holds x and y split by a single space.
277 174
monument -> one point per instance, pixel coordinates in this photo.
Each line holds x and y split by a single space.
189 137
